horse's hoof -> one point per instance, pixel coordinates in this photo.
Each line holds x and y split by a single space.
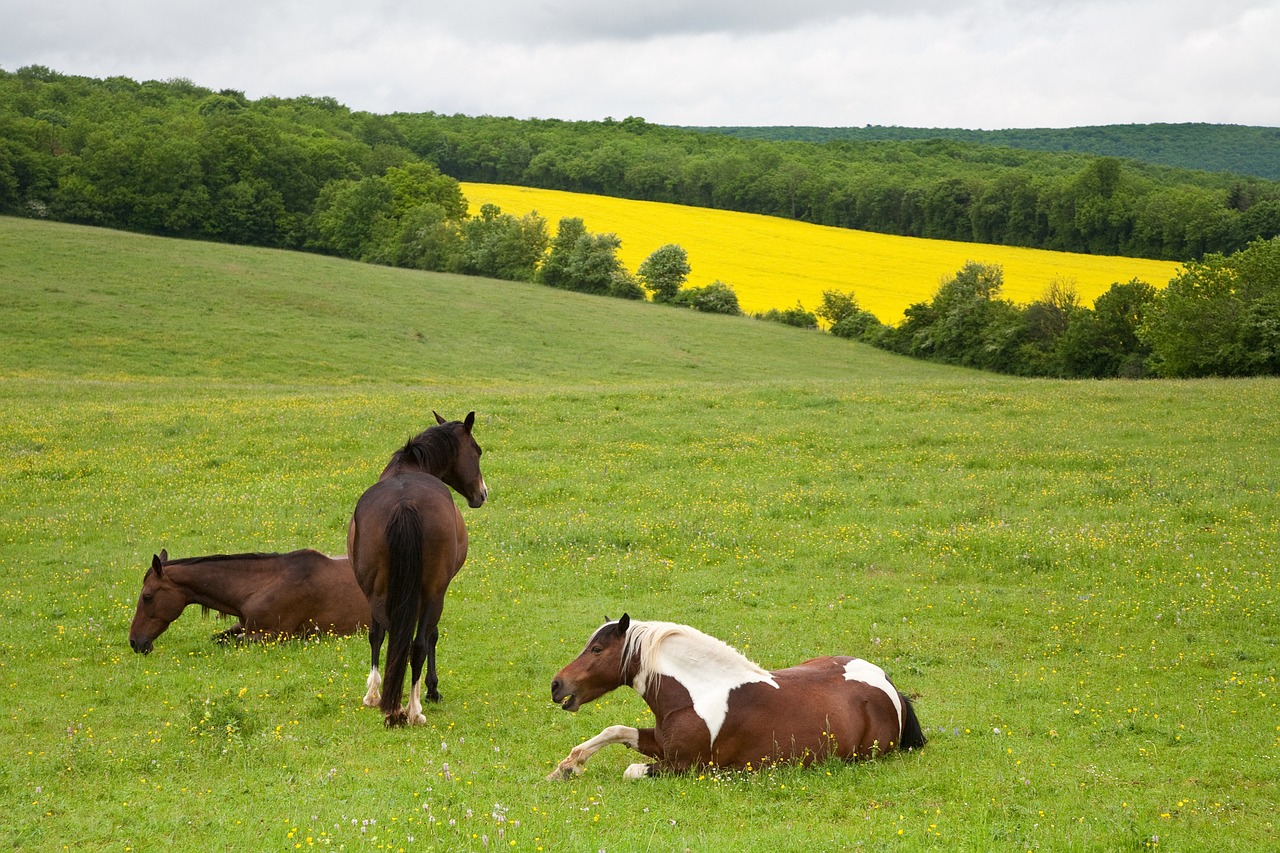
396 719
434 696
372 701
417 720
563 773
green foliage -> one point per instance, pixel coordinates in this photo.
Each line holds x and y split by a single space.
664 272
714 298
1210 147
499 245
796 316
586 262
1220 317
177 159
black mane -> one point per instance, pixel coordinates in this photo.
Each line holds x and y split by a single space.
430 450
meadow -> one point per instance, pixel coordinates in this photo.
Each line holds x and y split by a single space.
1076 581
773 263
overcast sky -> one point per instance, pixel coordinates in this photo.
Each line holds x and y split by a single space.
985 64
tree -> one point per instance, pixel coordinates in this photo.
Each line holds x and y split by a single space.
664 272
554 271
1220 316
499 245
844 317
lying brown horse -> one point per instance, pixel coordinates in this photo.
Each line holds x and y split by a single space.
272 595
715 708
406 542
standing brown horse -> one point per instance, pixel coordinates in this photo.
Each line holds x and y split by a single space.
406 542
272 595
714 707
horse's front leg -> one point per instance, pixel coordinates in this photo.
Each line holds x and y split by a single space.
235 632
373 694
641 740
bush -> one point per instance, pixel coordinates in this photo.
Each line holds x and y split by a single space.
797 316
714 298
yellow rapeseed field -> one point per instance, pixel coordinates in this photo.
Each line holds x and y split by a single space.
773 263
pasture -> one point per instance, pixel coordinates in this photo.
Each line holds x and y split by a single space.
773 263
1074 581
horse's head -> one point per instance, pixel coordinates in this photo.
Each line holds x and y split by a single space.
447 451
599 669
159 603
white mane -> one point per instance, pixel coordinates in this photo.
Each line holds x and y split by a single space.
706 667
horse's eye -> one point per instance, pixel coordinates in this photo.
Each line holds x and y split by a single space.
595 650
146 597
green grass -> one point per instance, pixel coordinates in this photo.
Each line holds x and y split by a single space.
1076 580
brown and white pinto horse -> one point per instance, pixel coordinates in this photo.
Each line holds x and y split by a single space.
406 542
713 707
272 595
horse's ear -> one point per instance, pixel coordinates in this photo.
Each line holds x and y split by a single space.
439 419
156 565
470 421
624 623
164 555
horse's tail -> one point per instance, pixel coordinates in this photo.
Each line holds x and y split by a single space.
912 735
404 590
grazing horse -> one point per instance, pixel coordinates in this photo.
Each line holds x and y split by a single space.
713 707
272 595
406 542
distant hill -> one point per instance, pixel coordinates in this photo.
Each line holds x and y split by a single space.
1231 148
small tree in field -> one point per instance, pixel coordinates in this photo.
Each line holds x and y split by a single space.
664 272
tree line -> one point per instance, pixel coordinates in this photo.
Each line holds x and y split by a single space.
937 188
1239 149
1220 316
172 158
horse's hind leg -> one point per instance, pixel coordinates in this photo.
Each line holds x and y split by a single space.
373 695
424 649
434 609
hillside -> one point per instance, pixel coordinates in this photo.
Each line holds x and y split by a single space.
1234 149
1075 582
130 307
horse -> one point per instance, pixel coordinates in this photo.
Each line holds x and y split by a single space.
406 541
271 595
713 707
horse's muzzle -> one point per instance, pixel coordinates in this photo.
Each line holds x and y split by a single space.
142 647
562 697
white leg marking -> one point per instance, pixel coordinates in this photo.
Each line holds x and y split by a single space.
374 694
574 763
636 771
415 705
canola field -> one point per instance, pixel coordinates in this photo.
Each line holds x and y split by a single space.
775 263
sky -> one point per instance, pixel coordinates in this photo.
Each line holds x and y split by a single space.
980 64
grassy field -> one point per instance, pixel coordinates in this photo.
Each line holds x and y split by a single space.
1076 581
773 263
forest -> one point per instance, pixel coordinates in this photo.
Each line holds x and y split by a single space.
1232 148
176 159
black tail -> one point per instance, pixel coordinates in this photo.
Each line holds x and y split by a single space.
912 735
404 590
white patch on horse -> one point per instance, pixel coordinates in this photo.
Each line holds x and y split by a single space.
707 668
868 673
374 693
